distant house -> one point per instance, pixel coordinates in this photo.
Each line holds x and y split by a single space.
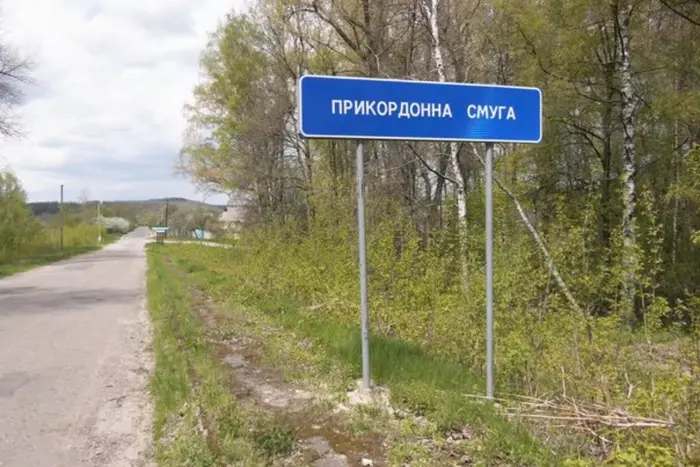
234 215
201 234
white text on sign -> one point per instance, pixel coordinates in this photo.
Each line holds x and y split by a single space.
490 112
419 109
383 108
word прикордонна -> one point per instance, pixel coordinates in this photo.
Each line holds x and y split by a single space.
383 108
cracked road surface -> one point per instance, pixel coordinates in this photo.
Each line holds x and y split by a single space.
73 362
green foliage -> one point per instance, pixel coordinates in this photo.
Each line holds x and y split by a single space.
542 347
426 384
25 241
274 439
643 456
227 101
628 344
17 226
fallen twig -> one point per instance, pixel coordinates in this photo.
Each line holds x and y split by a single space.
586 416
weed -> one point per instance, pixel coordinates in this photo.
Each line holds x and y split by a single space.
273 439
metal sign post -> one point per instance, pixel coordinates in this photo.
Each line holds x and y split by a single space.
488 178
364 302
161 233
336 107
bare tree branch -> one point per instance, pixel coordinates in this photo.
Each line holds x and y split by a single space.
674 9
427 166
14 71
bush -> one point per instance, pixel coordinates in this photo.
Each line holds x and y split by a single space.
542 345
116 224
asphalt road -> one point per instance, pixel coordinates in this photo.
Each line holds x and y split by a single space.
73 361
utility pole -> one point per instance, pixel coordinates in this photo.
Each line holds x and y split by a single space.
61 216
166 215
99 223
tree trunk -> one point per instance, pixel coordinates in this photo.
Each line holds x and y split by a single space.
460 193
607 132
629 157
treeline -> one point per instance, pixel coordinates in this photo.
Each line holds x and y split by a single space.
597 270
127 209
31 229
24 236
184 218
621 104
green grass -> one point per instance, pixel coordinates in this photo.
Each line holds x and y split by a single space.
188 238
190 389
43 257
418 381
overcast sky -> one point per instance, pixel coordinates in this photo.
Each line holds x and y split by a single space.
105 114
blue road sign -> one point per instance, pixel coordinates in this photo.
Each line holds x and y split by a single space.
334 107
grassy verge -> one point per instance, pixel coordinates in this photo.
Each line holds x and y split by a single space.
198 420
193 240
48 256
430 389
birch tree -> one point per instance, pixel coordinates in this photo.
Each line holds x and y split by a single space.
614 126
623 17
431 11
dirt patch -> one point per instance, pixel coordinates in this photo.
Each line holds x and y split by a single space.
323 438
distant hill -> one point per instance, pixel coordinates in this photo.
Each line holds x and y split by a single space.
43 208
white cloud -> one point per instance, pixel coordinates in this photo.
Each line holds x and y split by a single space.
111 77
